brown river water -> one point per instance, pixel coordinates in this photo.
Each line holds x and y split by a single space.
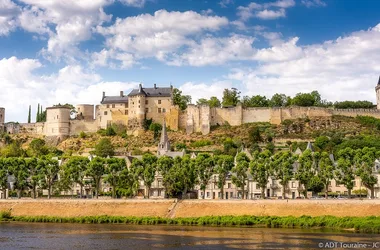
16 235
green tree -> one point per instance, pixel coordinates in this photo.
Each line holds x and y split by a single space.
345 169
96 169
240 176
214 102
187 174
113 172
3 176
35 175
255 101
307 99
38 113
38 148
29 113
146 169
255 135
279 100
13 150
49 168
325 171
205 169
224 164
261 169
19 170
75 169
305 171
156 128
231 97
104 148
202 101
128 183
181 100
164 164
365 160
283 162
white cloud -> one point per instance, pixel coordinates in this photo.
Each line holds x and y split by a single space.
215 51
225 3
8 14
204 90
158 35
73 21
313 3
22 86
264 11
270 14
343 69
134 3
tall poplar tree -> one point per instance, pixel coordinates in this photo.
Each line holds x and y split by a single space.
29 113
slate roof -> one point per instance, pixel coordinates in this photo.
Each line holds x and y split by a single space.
114 99
152 92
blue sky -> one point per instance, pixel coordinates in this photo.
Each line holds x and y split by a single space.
70 51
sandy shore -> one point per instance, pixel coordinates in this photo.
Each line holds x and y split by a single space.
191 208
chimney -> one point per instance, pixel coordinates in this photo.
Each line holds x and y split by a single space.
140 88
155 86
121 93
104 94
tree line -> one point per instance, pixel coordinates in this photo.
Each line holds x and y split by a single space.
231 97
313 170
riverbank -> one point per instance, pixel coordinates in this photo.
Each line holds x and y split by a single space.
359 224
190 208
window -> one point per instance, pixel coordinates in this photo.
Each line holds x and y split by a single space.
105 113
229 185
163 110
208 195
139 101
108 106
126 105
219 195
159 183
113 106
257 186
139 106
159 110
146 110
159 101
126 112
293 184
337 184
146 101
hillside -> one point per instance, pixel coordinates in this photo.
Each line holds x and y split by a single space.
224 138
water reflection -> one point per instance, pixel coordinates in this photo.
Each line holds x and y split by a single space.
94 236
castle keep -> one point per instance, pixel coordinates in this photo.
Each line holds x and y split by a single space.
156 103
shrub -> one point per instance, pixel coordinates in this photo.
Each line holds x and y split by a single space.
82 135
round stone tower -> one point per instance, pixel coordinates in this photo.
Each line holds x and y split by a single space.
2 115
57 122
378 94
85 112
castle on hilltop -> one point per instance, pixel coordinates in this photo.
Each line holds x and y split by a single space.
156 103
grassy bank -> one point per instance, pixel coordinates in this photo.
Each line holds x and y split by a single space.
369 224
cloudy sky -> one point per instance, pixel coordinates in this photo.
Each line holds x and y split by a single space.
54 51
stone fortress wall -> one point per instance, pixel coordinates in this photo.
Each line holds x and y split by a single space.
195 119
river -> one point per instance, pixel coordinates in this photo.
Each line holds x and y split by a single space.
16 235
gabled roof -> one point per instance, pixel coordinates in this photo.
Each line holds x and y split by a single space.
152 92
114 99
